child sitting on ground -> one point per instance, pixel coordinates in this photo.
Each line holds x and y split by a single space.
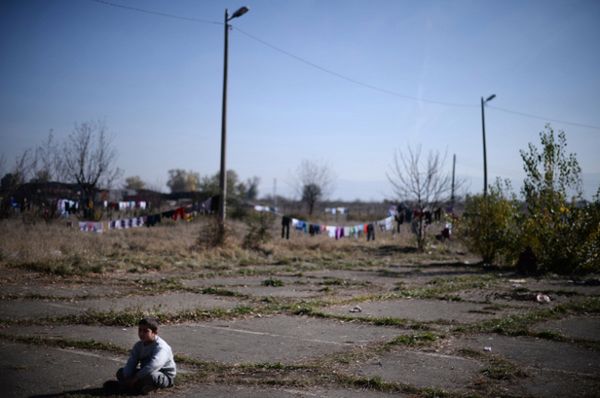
155 359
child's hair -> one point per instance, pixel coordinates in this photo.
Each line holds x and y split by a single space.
150 322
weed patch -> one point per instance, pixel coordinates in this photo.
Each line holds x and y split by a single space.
501 369
272 282
414 340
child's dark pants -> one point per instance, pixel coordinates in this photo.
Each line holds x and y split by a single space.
156 379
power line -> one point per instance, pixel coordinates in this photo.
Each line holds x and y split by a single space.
351 80
339 75
289 54
161 14
589 126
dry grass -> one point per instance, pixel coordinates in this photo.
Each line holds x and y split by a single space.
55 248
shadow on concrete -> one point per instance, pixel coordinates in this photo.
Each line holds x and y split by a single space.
86 392
110 389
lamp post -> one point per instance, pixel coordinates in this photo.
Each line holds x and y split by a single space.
223 175
483 102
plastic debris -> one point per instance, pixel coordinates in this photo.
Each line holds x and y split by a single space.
487 349
356 309
542 298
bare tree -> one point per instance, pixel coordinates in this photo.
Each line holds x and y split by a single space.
89 159
46 164
425 183
315 181
22 167
2 163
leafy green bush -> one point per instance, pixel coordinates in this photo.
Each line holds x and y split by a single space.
489 224
588 252
562 234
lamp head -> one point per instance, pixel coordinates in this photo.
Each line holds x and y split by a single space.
491 97
241 11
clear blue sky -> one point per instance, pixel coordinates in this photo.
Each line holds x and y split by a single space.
157 83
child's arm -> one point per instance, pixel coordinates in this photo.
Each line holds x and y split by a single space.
159 359
131 365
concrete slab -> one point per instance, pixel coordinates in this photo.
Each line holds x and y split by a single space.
64 290
421 310
551 384
507 296
552 369
352 277
556 287
237 391
535 354
23 283
586 328
168 303
279 338
27 370
421 369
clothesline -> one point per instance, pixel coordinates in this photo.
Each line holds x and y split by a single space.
181 213
333 231
275 211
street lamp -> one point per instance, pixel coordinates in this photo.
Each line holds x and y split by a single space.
483 102
223 176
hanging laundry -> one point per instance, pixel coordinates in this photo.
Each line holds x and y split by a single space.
285 227
370 232
300 225
330 231
179 214
389 223
91 226
314 229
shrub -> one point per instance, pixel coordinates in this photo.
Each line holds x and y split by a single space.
489 224
559 232
588 252
213 234
259 224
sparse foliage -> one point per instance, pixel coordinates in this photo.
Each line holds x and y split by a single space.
249 190
22 167
552 225
315 181
238 192
47 163
134 182
183 181
425 183
259 225
89 160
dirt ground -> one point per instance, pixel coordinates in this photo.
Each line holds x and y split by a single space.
396 327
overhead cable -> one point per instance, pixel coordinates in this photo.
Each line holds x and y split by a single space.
351 80
339 75
161 14
589 126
